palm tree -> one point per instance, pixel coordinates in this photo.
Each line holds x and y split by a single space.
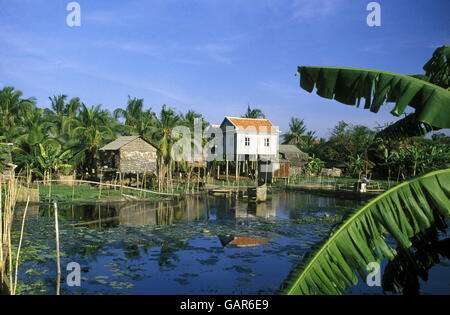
93 128
138 121
309 139
63 116
162 137
31 130
253 113
12 107
405 210
296 132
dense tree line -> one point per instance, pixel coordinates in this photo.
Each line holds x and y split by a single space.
66 137
359 149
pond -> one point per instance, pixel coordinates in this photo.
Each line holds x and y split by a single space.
199 245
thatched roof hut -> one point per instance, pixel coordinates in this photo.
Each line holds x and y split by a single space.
295 156
130 154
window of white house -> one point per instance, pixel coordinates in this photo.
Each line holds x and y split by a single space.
266 142
247 141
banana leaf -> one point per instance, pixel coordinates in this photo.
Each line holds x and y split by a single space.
437 69
348 86
403 212
405 128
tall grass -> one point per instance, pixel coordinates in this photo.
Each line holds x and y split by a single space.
8 274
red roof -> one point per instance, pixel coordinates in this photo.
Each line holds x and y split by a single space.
251 124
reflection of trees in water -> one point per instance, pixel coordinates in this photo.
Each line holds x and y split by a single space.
130 214
402 274
294 204
194 208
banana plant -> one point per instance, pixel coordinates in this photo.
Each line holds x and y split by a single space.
314 164
427 95
50 158
402 212
356 165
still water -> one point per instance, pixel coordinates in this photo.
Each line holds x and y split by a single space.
199 245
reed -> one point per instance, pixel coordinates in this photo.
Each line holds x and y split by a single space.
8 197
8 193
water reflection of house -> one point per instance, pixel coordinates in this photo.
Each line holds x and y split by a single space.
161 213
262 210
130 155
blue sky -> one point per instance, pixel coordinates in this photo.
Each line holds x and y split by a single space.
213 56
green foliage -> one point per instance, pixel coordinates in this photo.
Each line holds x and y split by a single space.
314 164
346 142
253 113
427 93
438 67
402 212
356 165
68 135
349 86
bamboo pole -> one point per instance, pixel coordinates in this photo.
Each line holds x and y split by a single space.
58 263
13 291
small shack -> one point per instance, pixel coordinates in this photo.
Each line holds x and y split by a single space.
296 157
130 155
271 168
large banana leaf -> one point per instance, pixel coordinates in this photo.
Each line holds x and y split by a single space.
403 212
349 86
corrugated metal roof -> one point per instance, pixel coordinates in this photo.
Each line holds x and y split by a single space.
118 143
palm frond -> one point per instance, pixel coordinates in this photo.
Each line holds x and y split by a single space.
403 212
349 86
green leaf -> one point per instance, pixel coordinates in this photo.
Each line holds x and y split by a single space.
348 85
403 211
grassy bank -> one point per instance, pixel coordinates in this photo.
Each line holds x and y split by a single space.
344 181
86 192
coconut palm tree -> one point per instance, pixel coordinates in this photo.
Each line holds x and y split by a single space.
32 129
253 113
296 132
136 119
93 128
12 107
161 132
63 116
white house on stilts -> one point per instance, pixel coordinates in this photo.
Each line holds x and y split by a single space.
246 141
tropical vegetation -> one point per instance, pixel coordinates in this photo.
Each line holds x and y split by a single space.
406 213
